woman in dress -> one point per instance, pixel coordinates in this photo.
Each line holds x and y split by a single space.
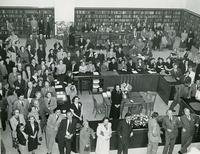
83 67
160 65
85 135
116 99
31 130
22 139
104 132
27 74
140 67
76 109
71 91
151 65
168 66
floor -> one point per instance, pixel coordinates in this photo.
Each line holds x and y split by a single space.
87 102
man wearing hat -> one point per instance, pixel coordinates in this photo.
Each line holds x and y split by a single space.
125 132
81 43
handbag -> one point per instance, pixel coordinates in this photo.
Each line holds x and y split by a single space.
87 148
15 143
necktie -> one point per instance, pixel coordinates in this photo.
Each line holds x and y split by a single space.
68 124
57 117
188 117
49 102
29 92
22 103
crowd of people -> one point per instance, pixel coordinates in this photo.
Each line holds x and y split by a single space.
158 35
28 94
36 25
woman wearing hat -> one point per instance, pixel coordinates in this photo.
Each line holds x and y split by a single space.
85 135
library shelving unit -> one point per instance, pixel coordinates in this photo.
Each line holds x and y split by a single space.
191 21
126 16
20 18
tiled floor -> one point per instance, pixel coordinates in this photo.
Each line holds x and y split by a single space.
42 149
86 99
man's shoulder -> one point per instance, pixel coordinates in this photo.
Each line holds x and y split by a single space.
165 118
123 121
64 120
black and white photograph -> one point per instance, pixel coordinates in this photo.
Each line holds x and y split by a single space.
100 76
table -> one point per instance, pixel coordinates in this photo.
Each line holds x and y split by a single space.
136 80
60 91
192 104
166 88
85 77
99 37
134 99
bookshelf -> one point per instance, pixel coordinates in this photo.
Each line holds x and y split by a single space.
191 20
20 17
126 16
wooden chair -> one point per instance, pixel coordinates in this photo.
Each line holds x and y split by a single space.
151 96
110 89
98 108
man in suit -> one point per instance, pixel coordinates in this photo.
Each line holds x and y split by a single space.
81 43
12 77
130 66
52 128
67 61
188 121
125 132
153 134
3 106
3 69
74 66
48 88
38 102
65 133
170 124
193 89
176 72
30 91
15 120
22 104
19 85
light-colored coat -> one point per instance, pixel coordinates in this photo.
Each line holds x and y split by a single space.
52 105
11 100
103 139
50 89
85 136
154 131
22 108
51 130
14 123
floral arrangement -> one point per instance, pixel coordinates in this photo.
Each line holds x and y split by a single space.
125 88
139 120
62 28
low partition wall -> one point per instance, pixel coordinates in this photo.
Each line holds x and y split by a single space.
139 139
